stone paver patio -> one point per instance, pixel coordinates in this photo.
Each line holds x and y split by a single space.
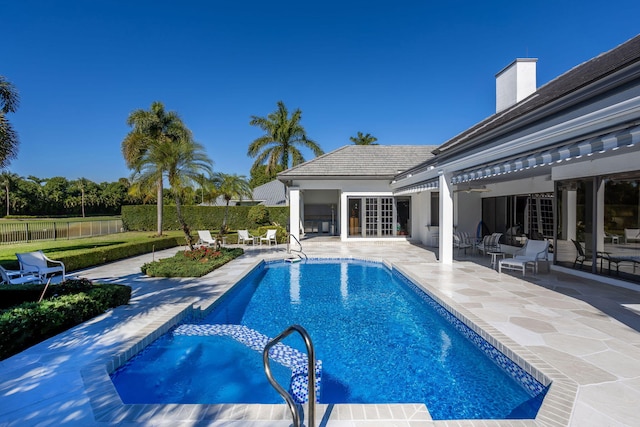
583 334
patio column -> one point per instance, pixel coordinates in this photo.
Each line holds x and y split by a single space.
570 214
294 212
445 253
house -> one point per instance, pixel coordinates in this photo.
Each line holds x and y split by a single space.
346 192
560 162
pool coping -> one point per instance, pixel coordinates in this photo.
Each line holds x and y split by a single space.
108 407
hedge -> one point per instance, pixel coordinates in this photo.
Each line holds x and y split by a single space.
101 255
71 303
144 217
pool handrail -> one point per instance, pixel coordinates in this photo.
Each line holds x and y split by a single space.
289 250
311 374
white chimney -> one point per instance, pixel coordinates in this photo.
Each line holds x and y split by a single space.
515 82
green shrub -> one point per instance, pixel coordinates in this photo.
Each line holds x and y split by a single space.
73 302
259 215
281 233
194 263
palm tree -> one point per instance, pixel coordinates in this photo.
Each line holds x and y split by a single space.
9 101
361 139
7 179
185 161
282 136
152 131
231 186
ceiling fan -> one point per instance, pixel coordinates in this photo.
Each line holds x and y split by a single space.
472 189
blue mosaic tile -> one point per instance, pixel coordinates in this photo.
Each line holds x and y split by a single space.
280 353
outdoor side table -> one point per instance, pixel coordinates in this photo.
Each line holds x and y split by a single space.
494 258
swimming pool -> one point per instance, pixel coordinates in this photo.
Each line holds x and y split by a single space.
369 327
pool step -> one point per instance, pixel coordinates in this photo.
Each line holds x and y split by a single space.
280 353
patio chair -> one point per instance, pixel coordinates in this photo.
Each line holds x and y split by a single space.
585 254
530 254
581 255
17 277
460 243
205 238
269 236
490 243
39 264
244 237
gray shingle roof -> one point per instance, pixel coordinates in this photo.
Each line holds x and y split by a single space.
273 193
382 161
578 77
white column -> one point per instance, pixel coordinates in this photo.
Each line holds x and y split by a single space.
294 212
570 213
446 219
344 217
600 215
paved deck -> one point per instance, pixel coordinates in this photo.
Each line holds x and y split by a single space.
583 334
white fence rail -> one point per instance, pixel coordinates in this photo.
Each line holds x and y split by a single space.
56 230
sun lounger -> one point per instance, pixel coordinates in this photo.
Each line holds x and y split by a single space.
17 277
39 264
529 255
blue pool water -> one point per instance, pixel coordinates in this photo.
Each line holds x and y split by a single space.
380 340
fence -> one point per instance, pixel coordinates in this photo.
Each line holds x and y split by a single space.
23 232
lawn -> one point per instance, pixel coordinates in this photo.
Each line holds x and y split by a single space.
56 249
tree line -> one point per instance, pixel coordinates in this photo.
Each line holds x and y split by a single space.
58 196
159 149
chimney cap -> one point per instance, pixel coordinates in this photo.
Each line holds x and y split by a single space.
515 61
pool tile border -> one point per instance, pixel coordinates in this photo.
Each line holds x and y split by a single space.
107 406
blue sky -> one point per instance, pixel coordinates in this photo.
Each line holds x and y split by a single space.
408 72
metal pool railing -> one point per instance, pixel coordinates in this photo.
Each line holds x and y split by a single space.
29 231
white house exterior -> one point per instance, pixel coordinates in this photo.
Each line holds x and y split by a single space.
560 162
347 193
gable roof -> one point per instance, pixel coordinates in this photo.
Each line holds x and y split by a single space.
273 193
367 161
578 77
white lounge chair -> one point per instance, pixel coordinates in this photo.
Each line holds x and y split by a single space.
530 254
270 236
204 238
244 237
40 265
17 277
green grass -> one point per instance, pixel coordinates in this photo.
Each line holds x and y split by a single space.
65 248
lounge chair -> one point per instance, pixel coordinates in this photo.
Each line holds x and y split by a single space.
17 277
39 264
269 236
631 235
204 238
529 255
244 237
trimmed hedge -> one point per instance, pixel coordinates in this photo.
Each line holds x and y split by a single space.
71 303
100 255
143 217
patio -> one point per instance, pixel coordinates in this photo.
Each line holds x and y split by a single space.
578 329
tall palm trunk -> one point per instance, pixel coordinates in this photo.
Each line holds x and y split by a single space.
183 223
160 202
